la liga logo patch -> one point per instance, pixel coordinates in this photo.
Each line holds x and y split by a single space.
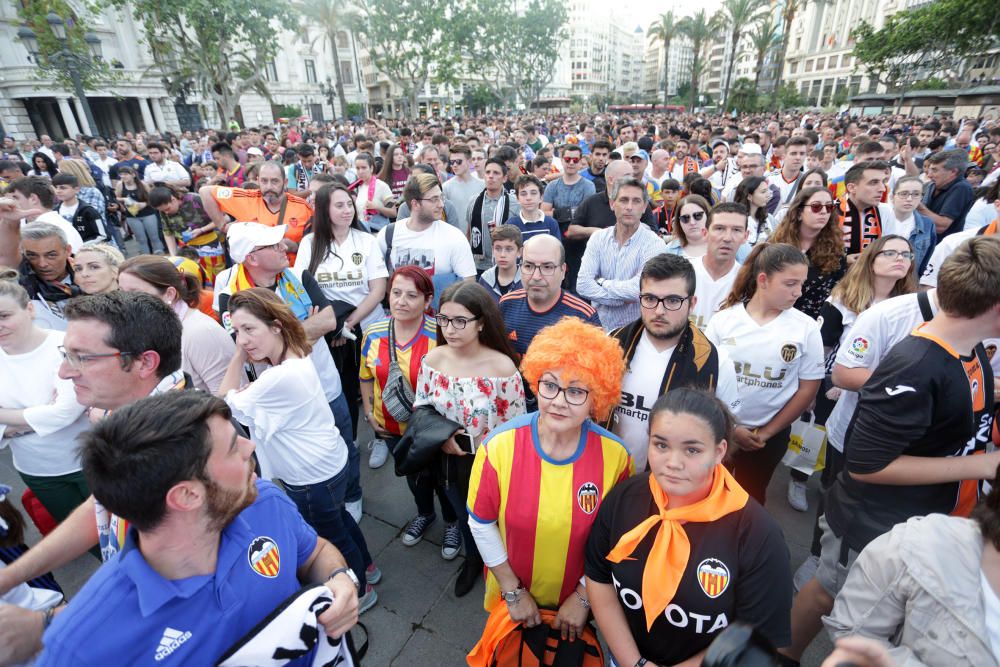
587 497
264 557
713 577
859 346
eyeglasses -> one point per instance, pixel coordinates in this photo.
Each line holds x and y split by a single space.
571 160
458 322
671 302
893 254
816 207
909 195
456 162
77 361
279 246
434 200
697 217
529 268
574 395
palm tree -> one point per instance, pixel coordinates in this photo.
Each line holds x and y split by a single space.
665 28
332 16
698 29
736 15
788 13
764 37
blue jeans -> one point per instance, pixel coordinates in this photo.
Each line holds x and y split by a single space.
342 417
147 234
322 506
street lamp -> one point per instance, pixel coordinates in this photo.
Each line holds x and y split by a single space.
73 64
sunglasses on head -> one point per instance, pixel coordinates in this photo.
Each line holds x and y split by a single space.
816 207
688 217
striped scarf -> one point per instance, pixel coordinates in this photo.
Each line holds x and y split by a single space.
289 288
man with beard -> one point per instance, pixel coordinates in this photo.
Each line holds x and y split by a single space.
119 347
210 550
599 155
664 351
270 206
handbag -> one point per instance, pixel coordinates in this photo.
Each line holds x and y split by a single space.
397 395
806 446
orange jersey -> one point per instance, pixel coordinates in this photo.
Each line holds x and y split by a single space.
249 206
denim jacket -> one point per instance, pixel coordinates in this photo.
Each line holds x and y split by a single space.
923 238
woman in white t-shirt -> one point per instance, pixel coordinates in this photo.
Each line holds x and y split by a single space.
374 194
290 421
778 355
39 415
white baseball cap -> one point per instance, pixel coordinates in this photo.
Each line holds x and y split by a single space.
245 237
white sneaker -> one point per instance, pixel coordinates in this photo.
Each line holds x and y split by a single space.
354 509
797 495
379 453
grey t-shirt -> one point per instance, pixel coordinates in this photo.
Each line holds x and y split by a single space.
561 195
460 194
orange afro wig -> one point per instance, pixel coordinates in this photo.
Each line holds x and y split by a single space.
580 352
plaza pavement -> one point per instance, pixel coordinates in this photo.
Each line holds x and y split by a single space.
418 621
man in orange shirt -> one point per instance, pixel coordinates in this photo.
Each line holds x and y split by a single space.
270 205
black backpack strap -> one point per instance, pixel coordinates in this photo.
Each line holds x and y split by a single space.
924 301
390 229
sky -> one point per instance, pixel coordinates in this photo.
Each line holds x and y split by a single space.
645 12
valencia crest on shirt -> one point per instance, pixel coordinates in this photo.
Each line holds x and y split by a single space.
713 577
587 497
788 352
264 557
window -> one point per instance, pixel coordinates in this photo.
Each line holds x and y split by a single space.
346 74
310 71
809 65
793 68
270 71
820 64
342 41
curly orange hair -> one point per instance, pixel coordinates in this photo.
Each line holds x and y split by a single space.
583 353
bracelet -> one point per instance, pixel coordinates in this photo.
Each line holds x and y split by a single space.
584 602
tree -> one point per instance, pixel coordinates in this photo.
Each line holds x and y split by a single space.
743 96
409 40
532 39
666 28
764 37
480 98
916 44
698 29
332 16
788 13
787 96
736 14
214 46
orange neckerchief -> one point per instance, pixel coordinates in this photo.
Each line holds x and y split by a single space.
671 549
240 280
991 228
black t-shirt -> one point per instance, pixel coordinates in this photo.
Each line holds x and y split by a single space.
922 400
741 559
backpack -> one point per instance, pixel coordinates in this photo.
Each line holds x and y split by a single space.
543 646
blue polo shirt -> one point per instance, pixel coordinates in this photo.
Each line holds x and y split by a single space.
952 202
127 614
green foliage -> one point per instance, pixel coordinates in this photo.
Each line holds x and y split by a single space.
931 83
666 29
331 16
354 110
699 28
512 48
91 73
216 47
289 111
840 98
930 38
480 98
786 96
734 15
743 96
791 8
764 37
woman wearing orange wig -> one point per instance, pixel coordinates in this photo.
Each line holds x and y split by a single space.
538 480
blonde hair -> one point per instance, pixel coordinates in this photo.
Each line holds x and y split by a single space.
79 169
857 288
109 253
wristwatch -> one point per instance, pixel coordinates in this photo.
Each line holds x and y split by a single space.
345 570
640 662
514 596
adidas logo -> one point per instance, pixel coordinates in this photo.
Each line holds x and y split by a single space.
170 642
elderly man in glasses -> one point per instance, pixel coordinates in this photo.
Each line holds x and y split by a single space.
664 351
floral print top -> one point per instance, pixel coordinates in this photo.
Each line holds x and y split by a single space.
479 403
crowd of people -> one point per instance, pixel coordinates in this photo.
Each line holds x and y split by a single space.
590 338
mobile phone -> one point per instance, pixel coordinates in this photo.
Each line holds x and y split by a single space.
464 441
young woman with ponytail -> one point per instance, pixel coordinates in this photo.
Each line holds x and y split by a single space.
778 355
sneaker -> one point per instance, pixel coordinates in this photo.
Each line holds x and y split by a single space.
354 509
373 575
368 600
379 453
797 495
416 528
452 541
805 572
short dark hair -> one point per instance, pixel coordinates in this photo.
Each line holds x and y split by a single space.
728 207
802 141
35 185
571 148
602 143
158 146
223 149
61 148
526 180
133 457
305 150
665 266
856 172
498 162
139 323
65 179
670 184
869 147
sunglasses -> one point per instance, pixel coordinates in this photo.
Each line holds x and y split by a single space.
456 162
816 207
697 217
571 160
